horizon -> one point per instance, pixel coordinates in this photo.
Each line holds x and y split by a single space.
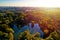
30 3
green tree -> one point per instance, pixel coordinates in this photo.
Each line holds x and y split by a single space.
27 36
6 33
53 36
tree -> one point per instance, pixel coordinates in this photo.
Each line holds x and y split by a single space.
53 36
27 36
6 33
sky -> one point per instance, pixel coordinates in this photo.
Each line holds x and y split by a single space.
30 3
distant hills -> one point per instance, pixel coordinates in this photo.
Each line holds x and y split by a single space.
17 8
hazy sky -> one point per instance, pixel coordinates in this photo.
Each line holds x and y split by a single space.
33 3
